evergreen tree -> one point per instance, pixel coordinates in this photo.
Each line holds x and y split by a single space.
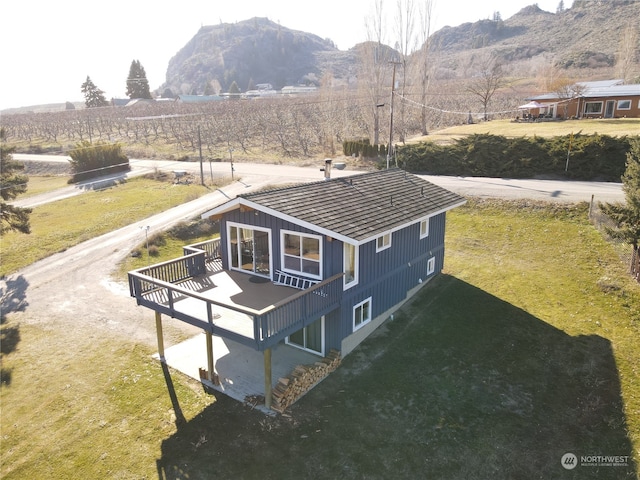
93 96
12 183
137 83
627 215
233 88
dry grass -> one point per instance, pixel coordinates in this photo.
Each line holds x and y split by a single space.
507 128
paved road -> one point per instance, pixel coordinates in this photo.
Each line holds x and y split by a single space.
550 190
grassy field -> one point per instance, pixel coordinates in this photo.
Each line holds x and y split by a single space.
53 229
44 183
614 127
523 350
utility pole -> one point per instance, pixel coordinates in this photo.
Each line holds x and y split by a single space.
393 86
200 149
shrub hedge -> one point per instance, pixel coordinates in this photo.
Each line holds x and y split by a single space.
591 157
90 160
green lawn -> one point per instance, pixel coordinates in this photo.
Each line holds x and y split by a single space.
524 349
615 127
59 225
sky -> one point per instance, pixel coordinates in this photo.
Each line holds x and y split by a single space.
50 47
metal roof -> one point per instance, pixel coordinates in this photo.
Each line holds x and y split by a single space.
357 208
609 88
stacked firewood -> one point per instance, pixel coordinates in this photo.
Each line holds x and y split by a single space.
303 378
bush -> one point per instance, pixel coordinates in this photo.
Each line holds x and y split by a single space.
591 157
95 160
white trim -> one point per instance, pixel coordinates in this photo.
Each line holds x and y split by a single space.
425 221
282 253
590 103
431 265
628 107
356 248
238 201
386 241
322 338
248 227
364 321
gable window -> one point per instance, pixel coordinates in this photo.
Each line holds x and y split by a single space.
361 314
383 242
593 107
424 228
624 104
302 253
350 265
431 265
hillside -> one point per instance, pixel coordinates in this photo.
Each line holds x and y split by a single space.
584 37
582 40
251 52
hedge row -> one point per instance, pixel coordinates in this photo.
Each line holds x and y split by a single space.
591 157
363 148
90 160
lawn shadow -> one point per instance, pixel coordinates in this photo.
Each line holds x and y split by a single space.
13 298
460 385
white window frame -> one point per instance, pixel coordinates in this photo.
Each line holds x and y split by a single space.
354 281
363 321
586 104
246 226
383 242
283 253
624 105
431 265
424 227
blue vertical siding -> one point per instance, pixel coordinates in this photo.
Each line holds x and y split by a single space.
385 276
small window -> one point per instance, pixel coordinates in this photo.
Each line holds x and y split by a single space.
593 107
361 314
624 104
350 265
383 242
424 228
431 265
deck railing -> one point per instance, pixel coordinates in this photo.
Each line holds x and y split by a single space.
270 324
210 247
171 271
292 313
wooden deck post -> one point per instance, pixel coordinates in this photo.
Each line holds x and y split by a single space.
160 336
209 356
267 378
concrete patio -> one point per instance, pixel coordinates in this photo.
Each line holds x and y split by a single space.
240 368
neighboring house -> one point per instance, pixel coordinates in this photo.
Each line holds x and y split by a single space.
318 266
601 99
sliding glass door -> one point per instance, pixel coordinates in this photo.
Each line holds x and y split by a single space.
249 249
310 338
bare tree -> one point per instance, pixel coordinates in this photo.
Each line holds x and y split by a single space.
405 45
374 66
489 77
424 59
627 55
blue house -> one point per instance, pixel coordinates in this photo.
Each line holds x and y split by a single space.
316 266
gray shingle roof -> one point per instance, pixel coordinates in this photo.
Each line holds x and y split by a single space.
359 207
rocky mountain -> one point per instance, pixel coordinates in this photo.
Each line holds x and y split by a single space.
584 37
252 52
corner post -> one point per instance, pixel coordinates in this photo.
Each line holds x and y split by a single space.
267 378
160 336
209 356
